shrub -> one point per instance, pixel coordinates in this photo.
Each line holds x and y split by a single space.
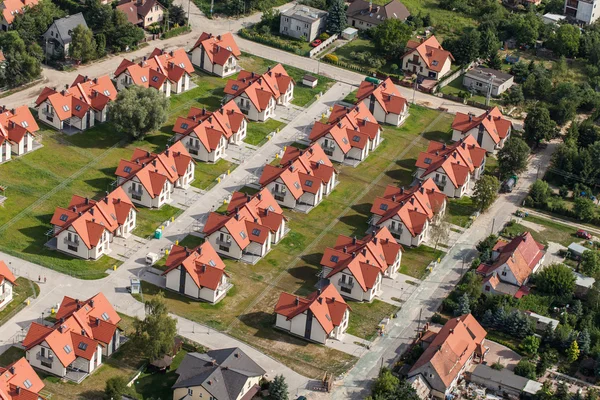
176 32
331 58
324 36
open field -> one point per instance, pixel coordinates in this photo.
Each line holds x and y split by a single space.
416 259
455 88
551 232
365 317
460 211
258 131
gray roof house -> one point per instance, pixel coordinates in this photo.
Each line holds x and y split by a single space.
363 14
58 36
503 381
303 21
224 374
479 79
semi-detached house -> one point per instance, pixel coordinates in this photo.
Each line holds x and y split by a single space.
409 213
320 316
426 58
17 132
356 267
302 179
18 381
454 168
86 227
384 101
150 179
490 129
7 284
217 55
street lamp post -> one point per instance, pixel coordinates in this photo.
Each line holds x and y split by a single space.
414 87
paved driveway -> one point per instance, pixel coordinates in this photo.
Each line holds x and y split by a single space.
501 353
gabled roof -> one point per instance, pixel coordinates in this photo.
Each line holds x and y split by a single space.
223 373
260 89
173 64
136 12
218 48
376 14
520 255
142 74
385 93
18 381
10 8
203 264
492 122
6 274
327 306
66 25
413 206
452 347
97 92
430 51
16 123
66 103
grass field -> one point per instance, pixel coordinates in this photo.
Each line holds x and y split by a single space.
21 292
365 318
151 218
460 211
455 88
206 174
11 355
551 232
416 259
256 134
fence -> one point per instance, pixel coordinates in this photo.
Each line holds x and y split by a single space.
319 49
449 78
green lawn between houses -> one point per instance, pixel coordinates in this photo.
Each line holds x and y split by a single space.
23 290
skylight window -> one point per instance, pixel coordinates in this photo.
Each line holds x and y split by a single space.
66 108
212 263
107 93
271 208
428 160
113 216
127 169
24 124
105 316
328 317
82 346
243 234
383 206
256 232
334 259
345 140
64 218
296 185
235 87
184 126
67 349
182 65
78 107
356 139
27 384
144 79
173 168
155 78
308 183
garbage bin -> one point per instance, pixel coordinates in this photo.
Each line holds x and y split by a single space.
158 234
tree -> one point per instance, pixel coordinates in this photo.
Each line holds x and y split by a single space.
464 305
584 341
539 193
495 62
530 345
573 352
177 15
556 279
584 208
538 125
123 34
488 318
35 22
389 387
23 62
98 16
512 158
466 47
514 95
565 42
526 369
588 134
590 262
486 191
83 45
489 46
115 388
154 335
390 37
100 45
440 232
278 389
139 110
271 18
336 19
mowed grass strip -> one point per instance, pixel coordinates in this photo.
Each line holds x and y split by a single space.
366 317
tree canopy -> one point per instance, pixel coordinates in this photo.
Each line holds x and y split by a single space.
512 158
486 191
390 37
555 279
336 19
154 335
23 61
538 125
139 110
83 46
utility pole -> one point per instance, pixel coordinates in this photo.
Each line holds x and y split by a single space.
489 91
493 223
419 320
189 16
414 87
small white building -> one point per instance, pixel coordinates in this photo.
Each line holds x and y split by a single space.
217 55
322 315
384 101
7 284
427 58
17 132
479 79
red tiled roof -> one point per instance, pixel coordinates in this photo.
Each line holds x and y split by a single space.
218 48
430 51
18 381
492 121
386 94
97 92
68 103
260 89
135 11
13 7
6 273
203 264
16 123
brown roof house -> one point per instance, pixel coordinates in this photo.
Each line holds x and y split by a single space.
142 12
511 265
426 58
217 55
363 14
490 129
449 353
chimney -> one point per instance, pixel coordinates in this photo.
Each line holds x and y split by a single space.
248 197
18 390
297 300
82 332
394 198
320 300
375 240
187 251
470 117
353 254
92 303
345 249
237 217
354 240
266 211
87 200
12 370
451 331
364 252
422 190
402 190
259 196
92 210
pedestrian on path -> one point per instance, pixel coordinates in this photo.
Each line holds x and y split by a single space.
44 279
39 278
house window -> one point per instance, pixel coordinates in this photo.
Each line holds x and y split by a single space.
487 288
27 384
503 273
191 392
297 28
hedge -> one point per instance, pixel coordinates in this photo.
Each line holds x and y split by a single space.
269 41
345 65
176 32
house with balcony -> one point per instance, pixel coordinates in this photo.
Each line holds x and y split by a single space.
426 58
19 381
511 265
454 168
206 135
302 178
303 22
7 284
17 132
257 96
73 348
383 101
251 225
582 11
356 267
409 213
197 273
490 130
349 135
150 179
64 110
142 12
320 316
363 14
11 8
129 73
87 227
217 55
97 93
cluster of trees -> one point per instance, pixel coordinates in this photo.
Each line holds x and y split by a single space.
541 196
389 387
512 158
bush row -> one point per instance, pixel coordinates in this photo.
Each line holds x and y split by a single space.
176 32
269 40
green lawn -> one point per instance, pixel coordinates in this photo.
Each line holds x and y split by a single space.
365 317
149 219
455 88
191 241
416 259
460 210
21 292
257 132
491 166
206 174
351 97
11 355
552 232
157 385
360 45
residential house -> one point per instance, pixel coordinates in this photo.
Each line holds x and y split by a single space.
364 14
57 38
150 179
217 55
487 80
454 168
302 178
11 8
222 374
542 323
197 273
384 101
207 134
583 11
426 58
511 265
356 267
165 71
248 229
65 109
320 316
18 381
258 95
73 348
302 22
7 284
409 213
490 129
86 228
142 12
503 382
17 132
459 344
349 135
97 93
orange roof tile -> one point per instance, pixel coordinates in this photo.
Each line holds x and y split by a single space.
18 381
13 7
260 89
492 121
218 48
203 264
66 104
6 273
430 51
385 93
